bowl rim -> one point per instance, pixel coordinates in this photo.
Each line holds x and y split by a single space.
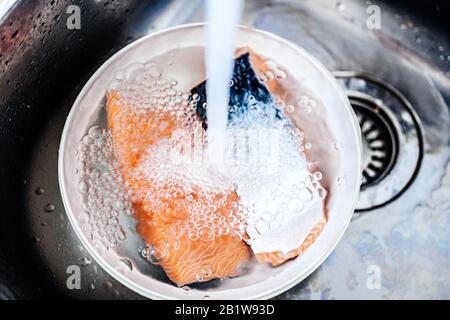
157 295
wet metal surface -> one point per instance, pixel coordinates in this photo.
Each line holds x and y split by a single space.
401 250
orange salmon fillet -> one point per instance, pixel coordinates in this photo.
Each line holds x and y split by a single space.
183 259
277 258
276 89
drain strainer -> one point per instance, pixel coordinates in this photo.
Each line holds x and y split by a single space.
380 140
392 138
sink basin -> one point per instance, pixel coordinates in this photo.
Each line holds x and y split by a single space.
398 79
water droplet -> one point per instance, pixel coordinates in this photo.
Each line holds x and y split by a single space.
49 207
193 235
206 273
127 263
87 140
95 132
321 192
306 104
318 175
185 289
83 187
280 74
199 277
39 191
337 146
289 108
85 261
205 234
153 255
341 181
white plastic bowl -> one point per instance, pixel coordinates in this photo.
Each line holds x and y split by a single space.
263 282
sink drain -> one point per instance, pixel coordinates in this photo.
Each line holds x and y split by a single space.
380 139
391 135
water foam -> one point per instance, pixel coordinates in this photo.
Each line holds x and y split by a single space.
265 164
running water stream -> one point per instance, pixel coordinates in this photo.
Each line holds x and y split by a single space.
222 18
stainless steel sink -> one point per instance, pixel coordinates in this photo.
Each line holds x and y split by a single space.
397 77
